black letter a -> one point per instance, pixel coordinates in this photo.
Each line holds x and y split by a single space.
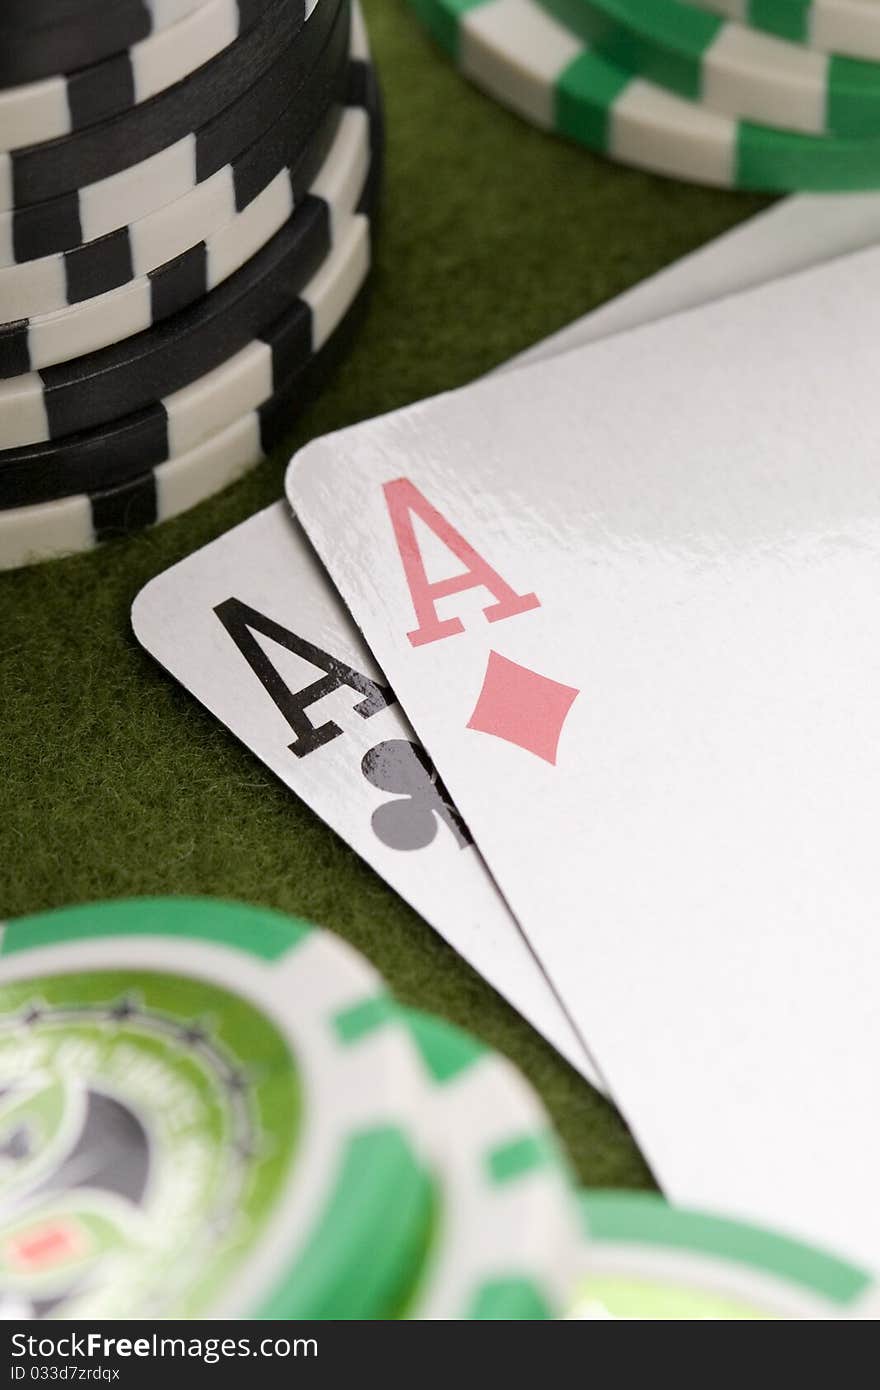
239 621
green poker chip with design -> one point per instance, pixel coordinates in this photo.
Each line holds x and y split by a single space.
646 1260
204 1111
506 1226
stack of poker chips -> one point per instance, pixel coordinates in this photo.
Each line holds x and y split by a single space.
184 238
768 95
214 1110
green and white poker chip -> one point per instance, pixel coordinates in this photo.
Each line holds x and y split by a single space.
506 1222
850 27
729 67
646 1260
518 53
204 1111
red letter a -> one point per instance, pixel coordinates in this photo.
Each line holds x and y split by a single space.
403 498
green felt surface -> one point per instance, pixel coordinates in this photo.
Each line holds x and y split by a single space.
115 781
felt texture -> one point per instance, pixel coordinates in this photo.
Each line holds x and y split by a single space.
115 781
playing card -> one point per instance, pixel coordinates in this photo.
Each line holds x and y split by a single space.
173 609
253 628
629 600
791 235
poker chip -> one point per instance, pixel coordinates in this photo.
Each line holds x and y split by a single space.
186 417
70 219
19 14
105 385
44 39
207 436
49 261
732 69
101 386
39 111
53 282
29 15
177 167
134 307
832 26
505 1221
149 367
220 109
645 1259
238 1089
519 54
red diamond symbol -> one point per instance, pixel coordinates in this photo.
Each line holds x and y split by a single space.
522 706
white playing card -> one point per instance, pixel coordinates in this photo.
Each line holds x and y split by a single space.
793 234
175 620
253 628
630 600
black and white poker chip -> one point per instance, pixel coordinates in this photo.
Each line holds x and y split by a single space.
103 386
160 326
44 38
198 442
54 282
60 252
18 15
137 305
32 112
224 104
